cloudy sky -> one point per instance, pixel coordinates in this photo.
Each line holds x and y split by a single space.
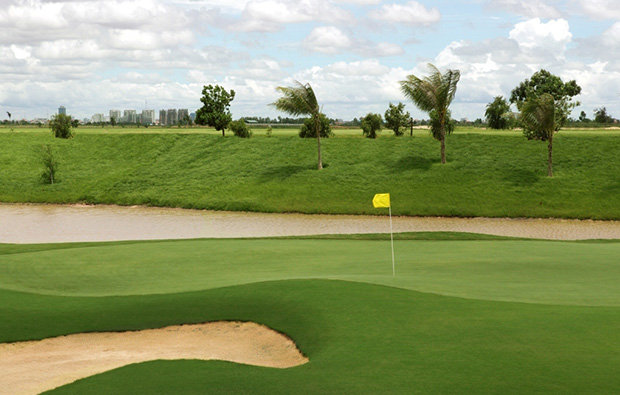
95 55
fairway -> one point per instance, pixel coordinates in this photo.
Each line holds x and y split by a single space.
460 316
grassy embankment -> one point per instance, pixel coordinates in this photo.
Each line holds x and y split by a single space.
476 316
487 174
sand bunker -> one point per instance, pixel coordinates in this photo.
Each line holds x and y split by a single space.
36 366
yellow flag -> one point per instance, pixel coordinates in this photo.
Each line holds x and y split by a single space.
381 200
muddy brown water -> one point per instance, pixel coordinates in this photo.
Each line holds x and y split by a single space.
45 223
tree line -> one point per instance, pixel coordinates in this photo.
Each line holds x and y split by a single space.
543 101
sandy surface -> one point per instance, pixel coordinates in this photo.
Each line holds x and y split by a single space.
37 366
45 223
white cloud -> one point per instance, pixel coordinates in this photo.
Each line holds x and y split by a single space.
527 8
541 41
352 89
412 13
272 15
327 39
388 49
600 9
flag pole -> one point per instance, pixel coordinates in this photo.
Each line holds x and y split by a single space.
392 239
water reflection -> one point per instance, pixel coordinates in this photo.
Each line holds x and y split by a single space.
43 223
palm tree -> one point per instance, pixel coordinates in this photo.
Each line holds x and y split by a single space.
300 100
434 94
538 116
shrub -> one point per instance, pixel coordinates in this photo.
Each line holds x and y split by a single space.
240 129
50 166
371 124
307 129
61 126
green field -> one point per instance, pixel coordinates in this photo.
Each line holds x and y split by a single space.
461 316
495 174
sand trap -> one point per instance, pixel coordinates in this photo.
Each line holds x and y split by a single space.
36 366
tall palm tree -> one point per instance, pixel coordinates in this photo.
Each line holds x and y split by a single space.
538 115
434 94
300 100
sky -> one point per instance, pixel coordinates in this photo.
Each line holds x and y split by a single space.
92 56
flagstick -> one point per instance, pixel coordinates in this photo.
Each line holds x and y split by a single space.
392 239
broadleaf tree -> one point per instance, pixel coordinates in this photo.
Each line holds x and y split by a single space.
497 113
61 124
533 98
371 124
215 110
396 118
300 100
307 128
542 82
434 93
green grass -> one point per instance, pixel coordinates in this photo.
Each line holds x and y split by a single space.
487 174
461 316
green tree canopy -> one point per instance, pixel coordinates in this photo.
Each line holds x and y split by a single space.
300 100
434 93
543 82
215 110
307 128
371 124
497 113
601 116
396 118
60 125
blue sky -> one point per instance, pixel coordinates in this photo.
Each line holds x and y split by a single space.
92 55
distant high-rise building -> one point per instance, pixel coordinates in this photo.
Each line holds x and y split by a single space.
183 115
147 117
130 116
172 118
62 110
116 114
162 117
97 118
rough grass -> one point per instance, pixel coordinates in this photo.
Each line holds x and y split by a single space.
372 333
496 175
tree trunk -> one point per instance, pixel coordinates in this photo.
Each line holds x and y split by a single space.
318 141
549 165
443 144
223 133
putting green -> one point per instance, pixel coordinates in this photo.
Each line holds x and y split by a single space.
503 270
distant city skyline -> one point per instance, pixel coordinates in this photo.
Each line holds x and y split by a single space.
91 55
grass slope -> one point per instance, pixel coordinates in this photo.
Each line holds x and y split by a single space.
361 337
486 175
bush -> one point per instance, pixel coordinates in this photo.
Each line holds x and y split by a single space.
307 129
61 126
371 124
240 129
50 165
396 118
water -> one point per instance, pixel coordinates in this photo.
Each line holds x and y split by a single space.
45 223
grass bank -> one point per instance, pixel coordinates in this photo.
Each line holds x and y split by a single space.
485 316
495 175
